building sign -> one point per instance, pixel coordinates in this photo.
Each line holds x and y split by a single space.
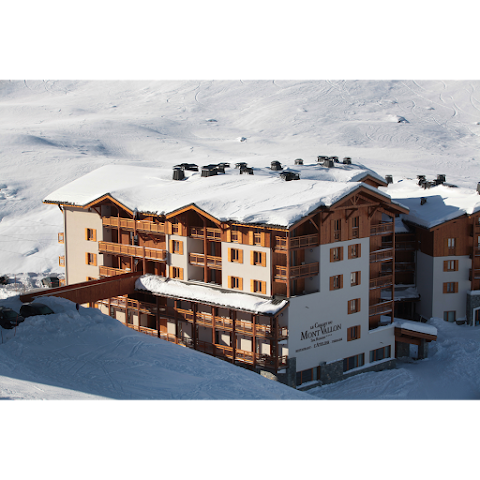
321 334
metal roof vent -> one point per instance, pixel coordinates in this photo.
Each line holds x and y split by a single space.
224 165
389 178
298 161
209 170
276 165
288 176
440 179
220 168
321 158
426 185
178 173
328 162
246 169
421 179
188 166
347 161
423 201
335 159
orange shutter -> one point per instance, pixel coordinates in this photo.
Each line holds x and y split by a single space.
229 282
240 283
229 254
95 259
86 234
240 256
252 286
264 259
229 235
86 258
264 287
180 251
252 257
180 273
250 237
94 231
170 246
171 271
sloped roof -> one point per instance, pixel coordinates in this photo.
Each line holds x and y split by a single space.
261 198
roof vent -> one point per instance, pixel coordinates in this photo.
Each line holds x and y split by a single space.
209 170
178 173
188 166
220 168
423 201
298 161
321 158
246 169
288 176
240 165
335 159
389 178
276 165
328 162
347 161
224 165
426 185
440 179
421 179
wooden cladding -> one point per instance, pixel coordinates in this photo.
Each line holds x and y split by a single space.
90 235
336 282
450 287
129 224
248 236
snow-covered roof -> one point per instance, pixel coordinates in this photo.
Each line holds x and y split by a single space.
204 294
443 203
261 198
415 326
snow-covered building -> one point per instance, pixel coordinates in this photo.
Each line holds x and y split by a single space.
439 244
289 271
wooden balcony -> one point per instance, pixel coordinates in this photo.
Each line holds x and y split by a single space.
474 274
381 255
382 228
405 246
111 271
148 331
214 234
61 237
304 241
299 271
130 303
199 260
381 308
133 251
130 224
381 282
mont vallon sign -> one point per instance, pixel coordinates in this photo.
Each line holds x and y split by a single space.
319 332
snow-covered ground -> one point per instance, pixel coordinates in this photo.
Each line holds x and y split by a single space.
58 131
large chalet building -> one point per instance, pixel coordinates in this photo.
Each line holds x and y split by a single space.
288 271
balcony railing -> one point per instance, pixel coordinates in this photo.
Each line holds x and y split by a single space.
132 251
199 260
381 308
381 228
381 255
111 271
61 237
126 303
283 243
385 281
212 233
299 271
130 224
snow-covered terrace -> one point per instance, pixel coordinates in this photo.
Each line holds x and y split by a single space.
212 296
261 198
415 326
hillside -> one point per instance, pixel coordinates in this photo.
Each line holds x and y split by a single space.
55 131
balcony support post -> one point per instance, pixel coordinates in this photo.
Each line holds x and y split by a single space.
157 316
194 325
205 246
254 340
288 264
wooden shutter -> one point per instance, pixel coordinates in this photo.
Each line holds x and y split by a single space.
229 282
264 287
331 282
240 256
86 234
240 283
359 278
171 271
264 259
349 334
252 257
331 254
94 259
86 258
250 237
94 234
229 235
445 265
340 253
340 281
180 248
229 254
445 287
170 247
455 287
252 286
180 273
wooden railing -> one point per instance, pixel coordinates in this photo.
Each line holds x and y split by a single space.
381 228
125 303
132 251
384 281
111 271
298 271
283 243
199 260
381 255
212 233
381 308
409 245
61 237
130 224
149 331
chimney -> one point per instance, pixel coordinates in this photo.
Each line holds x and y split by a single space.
389 178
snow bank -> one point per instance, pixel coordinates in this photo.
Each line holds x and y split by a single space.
215 296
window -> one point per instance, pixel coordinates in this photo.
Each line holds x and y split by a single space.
450 287
449 316
450 266
380 354
337 230
90 258
353 362
89 279
235 235
336 282
90 234
451 243
176 272
354 279
355 230
307 375
258 258
176 246
235 283
336 254
353 305
353 333
235 255
354 251
176 226
257 286
257 237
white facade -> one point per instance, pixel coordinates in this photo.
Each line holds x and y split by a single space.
319 321
430 280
